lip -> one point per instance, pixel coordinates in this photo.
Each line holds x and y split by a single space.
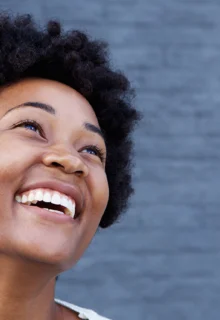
48 215
69 190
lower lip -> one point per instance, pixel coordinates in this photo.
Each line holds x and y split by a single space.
48 215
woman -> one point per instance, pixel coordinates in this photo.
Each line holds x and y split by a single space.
65 124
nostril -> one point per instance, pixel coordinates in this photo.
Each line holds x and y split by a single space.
79 173
55 164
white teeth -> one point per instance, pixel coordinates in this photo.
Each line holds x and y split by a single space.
69 206
33 196
73 209
57 211
39 195
18 198
47 197
24 198
64 202
56 199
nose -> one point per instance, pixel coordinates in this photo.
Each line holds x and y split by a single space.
65 160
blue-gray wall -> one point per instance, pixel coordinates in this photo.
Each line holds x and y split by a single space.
163 260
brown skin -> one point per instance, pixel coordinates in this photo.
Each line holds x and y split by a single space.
33 251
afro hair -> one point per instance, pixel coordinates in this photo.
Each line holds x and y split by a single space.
72 58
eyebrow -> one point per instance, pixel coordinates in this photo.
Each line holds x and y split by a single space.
39 105
49 109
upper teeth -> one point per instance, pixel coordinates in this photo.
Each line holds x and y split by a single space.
55 197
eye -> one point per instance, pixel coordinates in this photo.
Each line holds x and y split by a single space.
96 151
30 125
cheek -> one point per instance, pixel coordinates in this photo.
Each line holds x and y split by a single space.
99 190
14 159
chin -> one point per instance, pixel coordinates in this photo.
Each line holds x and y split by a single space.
52 253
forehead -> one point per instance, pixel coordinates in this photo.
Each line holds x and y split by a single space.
67 101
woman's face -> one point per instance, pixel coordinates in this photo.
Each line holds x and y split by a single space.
61 153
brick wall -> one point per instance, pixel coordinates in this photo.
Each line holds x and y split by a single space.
163 260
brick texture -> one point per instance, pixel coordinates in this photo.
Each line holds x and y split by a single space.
163 260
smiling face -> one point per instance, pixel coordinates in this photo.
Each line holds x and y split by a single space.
62 149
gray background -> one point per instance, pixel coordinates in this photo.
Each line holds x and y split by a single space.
163 260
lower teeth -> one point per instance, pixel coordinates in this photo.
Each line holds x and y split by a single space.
59 212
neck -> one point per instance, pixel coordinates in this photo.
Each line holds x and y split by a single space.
26 291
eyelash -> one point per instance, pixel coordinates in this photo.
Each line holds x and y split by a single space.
31 122
94 148
97 150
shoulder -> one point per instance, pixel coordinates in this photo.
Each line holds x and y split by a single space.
83 313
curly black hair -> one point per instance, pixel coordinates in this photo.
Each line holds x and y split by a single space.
72 58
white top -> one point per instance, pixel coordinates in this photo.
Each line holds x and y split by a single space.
82 312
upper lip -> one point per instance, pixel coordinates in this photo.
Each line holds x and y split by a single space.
69 190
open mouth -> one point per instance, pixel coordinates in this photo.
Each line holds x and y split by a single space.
51 207
49 200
